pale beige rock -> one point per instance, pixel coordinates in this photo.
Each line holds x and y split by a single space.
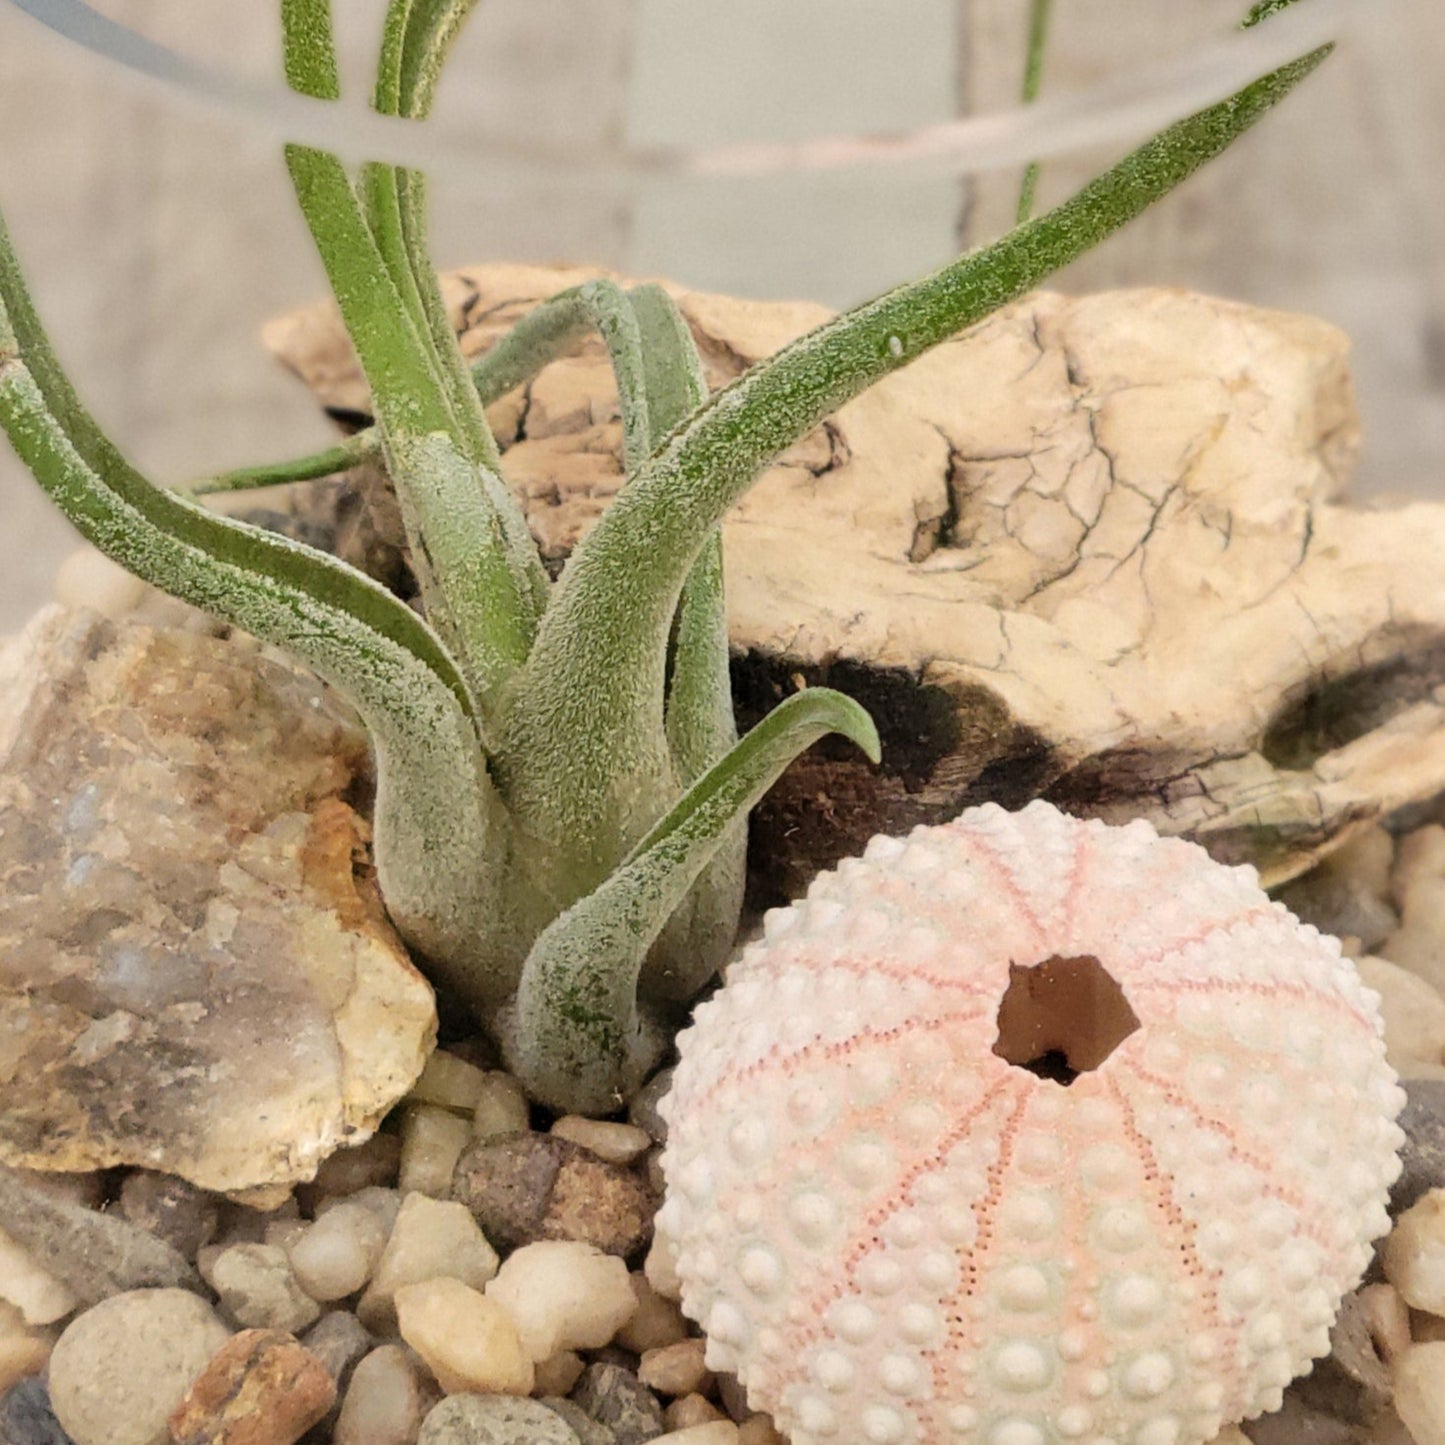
334 1256
386 1401
760 1430
1426 1327
691 1411
556 1375
448 1082
1420 1392
431 1239
432 1140
660 1270
466 1340
711 1432
195 978
1388 1318
22 1355
1414 1254
501 1107
617 1143
563 1295
34 1291
657 1320
677 1369
1413 1013
1010 546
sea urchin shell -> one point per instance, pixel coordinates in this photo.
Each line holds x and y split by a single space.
1027 1130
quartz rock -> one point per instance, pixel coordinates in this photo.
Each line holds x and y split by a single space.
467 1341
121 1367
688 1411
198 979
1414 1254
1413 1012
677 1369
334 1256
260 1388
563 1295
432 1140
616 1143
385 1204
557 1374
528 1187
259 1290
449 1082
1420 1392
386 1401
501 1106
35 1292
494 1420
431 1239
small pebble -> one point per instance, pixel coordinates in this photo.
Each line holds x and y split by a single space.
373 1163
259 1290
494 1420
616 1143
385 1204
501 1107
563 1295
528 1187
676 1369
1413 1013
467 1341
1419 855
265 1198
1348 893
431 1239
26 1417
260 1388
1414 1254
586 1429
616 1398
172 1209
334 1257
660 1271
386 1401
121 1367
449 1083
558 1373
283 1233
760 1430
432 1141
35 1292
643 1110
22 1355
654 1323
690 1410
711 1432
733 1396
339 1340
1420 1392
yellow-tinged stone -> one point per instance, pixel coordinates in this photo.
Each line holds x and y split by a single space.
466 1340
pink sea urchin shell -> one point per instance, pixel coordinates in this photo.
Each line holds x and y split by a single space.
894 1234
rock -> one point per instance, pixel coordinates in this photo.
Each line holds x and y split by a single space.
260 1388
1422 1157
121 1367
203 980
616 1143
660 1270
1420 1392
1413 1013
710 1432
563 1295
1295 1424
1348 893
387 1400
449 1083
35 1292
494 1420
501 1107
557 1374
283 1233
339 1340
466 1340
432 1141
733 1396
431 1239
22 1355
643 1110
689 1411
172 1209
334 1256
584 1427
374 1162
259 1290
1367 1333
676 1369
385 1204
616 1398
26 1417
981 607
654 1323
528 1187
94 1255
1414 1254
760 1430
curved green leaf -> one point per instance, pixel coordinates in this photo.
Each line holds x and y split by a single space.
575 1036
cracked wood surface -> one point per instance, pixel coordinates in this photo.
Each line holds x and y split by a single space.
1095 550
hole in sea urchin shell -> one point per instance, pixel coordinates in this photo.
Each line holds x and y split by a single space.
1062 1017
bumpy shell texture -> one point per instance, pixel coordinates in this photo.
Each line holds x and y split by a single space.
895 1234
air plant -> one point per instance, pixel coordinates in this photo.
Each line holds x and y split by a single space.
561 793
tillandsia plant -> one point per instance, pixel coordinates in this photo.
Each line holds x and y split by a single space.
561 795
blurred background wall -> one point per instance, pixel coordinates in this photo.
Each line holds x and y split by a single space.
158 237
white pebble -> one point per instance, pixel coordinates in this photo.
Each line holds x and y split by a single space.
1413 1012
432 1141
449 1083
259 1290
563 1295
1419 1379
660 1268
616 1143
335 1256
501 1107
385 1204
386 1401
466 1340
431 1239
34 1291
1414 1254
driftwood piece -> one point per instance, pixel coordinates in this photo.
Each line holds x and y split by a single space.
1095 550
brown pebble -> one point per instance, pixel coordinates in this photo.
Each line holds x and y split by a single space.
528 1187
676 1369
759 1430
690 1410
260 1388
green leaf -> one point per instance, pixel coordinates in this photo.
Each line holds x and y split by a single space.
1038 39
575 1036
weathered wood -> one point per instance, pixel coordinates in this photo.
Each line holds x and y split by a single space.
1093 551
